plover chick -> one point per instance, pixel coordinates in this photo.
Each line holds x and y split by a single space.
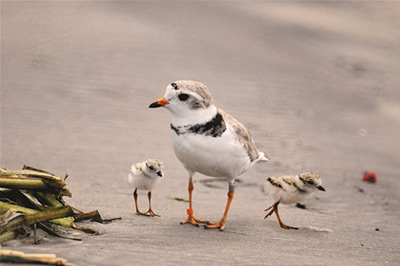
207 140
289 190
145 176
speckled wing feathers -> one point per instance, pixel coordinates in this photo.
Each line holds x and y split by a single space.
274 182
243 135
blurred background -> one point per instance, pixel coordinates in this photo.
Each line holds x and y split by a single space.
316 83
77 78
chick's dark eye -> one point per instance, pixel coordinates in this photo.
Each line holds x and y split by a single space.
183 97
310 182
151 168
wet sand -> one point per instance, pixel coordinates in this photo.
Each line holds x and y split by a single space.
316 84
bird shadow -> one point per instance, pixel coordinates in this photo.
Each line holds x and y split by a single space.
218 183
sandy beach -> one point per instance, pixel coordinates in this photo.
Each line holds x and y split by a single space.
317 85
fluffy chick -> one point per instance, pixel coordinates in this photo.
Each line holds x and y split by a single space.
289 190
145 176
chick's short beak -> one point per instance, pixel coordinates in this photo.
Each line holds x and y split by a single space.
321 188
160 103
159 173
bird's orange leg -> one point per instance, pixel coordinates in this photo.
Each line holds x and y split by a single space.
221 224
272 211
191 219
135 196
150 211
275 209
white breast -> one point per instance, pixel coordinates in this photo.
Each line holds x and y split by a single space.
143 182
220 156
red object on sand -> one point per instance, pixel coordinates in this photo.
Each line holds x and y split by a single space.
369 177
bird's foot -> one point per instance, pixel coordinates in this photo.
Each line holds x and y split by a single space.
151 213
148 213
220 225
191 219
288 227
270 213
274 208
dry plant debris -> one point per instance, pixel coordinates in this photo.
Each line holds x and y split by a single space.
20 257
31 198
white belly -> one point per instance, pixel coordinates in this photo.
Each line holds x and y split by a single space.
212 156
286 195
143 182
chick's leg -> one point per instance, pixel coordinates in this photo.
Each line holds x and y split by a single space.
274 208
150 211
135 196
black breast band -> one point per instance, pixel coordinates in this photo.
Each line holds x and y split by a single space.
215 127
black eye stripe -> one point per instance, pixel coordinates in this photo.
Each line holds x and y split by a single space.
183 97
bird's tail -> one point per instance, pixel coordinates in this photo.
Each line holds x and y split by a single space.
262 157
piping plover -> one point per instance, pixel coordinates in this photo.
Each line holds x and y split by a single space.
289 190
145 176
207 140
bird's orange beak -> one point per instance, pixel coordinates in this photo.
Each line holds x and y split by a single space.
160 103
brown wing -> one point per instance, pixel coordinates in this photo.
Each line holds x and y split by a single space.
243 134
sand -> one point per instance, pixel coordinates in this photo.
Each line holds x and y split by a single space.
316 84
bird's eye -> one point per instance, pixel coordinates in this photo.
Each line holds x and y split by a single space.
183 96
310 182
151 168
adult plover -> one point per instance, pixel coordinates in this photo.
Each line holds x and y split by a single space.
207 140
145 176
289 190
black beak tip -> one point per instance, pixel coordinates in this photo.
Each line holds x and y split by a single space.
321 188
154 105
159 174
